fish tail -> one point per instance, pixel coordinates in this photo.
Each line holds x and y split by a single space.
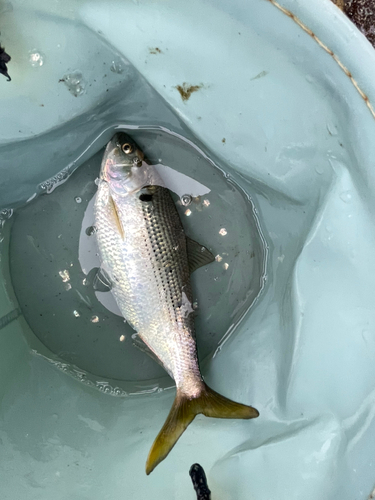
183 412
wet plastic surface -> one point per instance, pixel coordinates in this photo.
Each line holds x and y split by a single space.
298 138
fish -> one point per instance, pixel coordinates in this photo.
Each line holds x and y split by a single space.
148 258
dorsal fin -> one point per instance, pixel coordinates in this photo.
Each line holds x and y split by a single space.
198 255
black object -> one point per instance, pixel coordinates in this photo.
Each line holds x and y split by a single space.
4 59
199 480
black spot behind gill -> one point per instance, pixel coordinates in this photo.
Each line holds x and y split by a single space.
145 197
199 480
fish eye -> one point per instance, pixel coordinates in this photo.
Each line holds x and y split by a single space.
127 148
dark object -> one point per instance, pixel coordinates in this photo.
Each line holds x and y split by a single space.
362 13
200 482
4 59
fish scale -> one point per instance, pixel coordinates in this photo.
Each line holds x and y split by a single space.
149 292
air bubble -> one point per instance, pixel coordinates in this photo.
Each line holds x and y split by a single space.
50 184
186 199
91 230
77 199
117 66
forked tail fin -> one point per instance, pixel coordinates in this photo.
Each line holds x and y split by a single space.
184 410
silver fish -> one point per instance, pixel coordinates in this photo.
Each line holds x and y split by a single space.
148 259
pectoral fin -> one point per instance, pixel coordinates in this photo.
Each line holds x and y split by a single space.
117 218
198 255
99 280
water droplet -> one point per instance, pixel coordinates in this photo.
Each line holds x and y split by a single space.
91 230
203 249
50 184
216 278
122 338
64 275
186 199
75 83
36 58
117 66
94 319
6 213
225 265
84 282
346 196
77 199
206 203
97 180
223 231
188 212
218 258
76 314
195 305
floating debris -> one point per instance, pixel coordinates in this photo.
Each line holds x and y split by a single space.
186 90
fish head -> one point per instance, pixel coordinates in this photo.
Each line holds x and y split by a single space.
123 166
